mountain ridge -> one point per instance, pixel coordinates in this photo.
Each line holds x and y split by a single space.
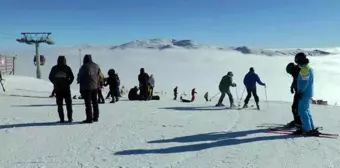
166 44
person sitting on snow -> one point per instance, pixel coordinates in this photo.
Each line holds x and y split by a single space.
224 88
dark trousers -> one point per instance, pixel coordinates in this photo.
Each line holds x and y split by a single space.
143 92
295 106
60 97
91 104
175 96
250 92
100 96
114 92
231 100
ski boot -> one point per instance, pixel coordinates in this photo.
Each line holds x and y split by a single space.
232 105
258 106
245 106
219 105
291 124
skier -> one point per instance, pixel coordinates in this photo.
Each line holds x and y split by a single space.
224 87
294 70
62 77
88 80
151 86
101 99
193 92
250 80
113 82
143 79
1 82
175 93
305 92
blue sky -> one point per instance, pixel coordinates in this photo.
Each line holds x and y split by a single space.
255 23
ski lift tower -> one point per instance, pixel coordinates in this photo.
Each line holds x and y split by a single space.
36 38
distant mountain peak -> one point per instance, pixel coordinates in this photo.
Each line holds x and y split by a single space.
165 44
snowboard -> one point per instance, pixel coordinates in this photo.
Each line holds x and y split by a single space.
290 132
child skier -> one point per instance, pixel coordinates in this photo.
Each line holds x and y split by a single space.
100 88
175 93
250 80
294 70
305 91
193 92
113 82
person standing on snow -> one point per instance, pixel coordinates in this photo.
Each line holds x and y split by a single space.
250 80
175 93
294 70
62 77
113 82
305 92
101 99
88 78
151 86
193 92
143 79
224 88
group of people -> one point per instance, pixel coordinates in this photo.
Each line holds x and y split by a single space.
91 82
249 80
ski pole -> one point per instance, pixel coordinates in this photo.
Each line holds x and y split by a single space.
239 104
265 91
236 93
214 96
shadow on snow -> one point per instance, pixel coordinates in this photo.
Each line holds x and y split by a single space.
216 139
43 105
193 108
41 124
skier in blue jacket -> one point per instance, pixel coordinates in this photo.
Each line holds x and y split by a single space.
305 89
250 80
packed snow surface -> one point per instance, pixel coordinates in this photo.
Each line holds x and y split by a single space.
157 134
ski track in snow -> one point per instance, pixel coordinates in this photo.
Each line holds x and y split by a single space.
163 133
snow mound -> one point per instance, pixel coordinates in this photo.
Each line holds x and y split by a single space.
162 44
24 86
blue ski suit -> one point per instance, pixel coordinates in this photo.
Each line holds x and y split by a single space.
305 86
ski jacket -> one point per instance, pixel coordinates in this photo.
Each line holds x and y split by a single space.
225 83
305 81
250 80
113 82
88 76
61 75
143 79
152 81
295 74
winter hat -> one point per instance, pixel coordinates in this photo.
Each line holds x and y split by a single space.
87 59
251 69
61 60
111 72
290 67
230 73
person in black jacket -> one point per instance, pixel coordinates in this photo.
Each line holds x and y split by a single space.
143 79
113 82
294 70
133 94
62 77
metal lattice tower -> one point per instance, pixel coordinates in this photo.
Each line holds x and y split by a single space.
36 38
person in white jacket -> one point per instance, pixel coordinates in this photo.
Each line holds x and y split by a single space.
151 86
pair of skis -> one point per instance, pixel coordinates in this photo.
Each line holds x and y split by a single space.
283 130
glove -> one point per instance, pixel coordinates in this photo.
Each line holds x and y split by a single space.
292 90
264 84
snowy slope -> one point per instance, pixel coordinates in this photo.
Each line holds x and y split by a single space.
158 134
161 44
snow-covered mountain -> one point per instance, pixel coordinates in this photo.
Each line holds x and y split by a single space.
162 44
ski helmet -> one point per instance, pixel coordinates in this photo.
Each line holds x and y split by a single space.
289 68
301 58
230 73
